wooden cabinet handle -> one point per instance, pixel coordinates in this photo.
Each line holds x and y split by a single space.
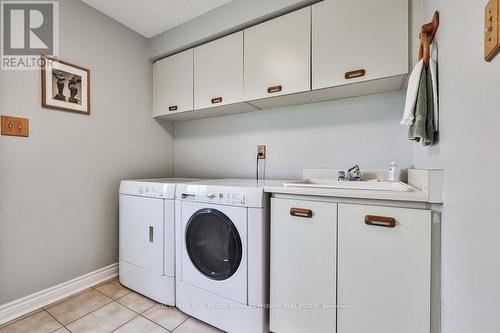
355 74
301 212
380 221
172 108
274 89
216 100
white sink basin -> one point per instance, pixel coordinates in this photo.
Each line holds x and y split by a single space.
352 185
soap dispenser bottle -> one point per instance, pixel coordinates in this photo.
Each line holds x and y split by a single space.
393 172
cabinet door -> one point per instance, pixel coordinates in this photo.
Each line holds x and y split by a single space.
277 56
303 266
383 272
218 72
173 83
141 232
355 35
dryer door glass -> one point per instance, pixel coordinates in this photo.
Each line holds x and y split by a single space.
213 244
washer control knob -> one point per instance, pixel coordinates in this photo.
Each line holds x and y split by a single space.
211 196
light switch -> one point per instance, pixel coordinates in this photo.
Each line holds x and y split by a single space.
492 30
15 126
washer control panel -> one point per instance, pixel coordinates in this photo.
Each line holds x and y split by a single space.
225 198
230 196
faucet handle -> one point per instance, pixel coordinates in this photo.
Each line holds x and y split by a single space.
353 168
354 173
341 175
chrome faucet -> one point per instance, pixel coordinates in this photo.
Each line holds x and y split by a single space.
353 174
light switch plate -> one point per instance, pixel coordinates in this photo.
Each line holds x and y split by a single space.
14 126
492 30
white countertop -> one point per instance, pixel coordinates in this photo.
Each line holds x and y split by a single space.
415 196
427 184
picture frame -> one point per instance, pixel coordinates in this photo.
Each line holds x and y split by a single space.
65 86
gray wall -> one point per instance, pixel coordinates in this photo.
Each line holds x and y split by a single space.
58 197
221 21
469 152
341 133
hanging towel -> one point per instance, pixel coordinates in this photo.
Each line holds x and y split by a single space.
423 125
411 94
434 74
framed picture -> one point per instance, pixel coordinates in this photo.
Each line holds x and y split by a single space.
65 86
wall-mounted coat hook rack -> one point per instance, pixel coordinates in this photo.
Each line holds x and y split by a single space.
427 35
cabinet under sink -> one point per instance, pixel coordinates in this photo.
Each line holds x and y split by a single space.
349 268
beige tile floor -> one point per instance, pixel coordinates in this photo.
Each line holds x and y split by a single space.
107 307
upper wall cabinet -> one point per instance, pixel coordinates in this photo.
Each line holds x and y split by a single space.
331 50
277 56
173 83
358 40
218 72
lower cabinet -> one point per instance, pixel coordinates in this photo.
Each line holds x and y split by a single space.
384 262
349 268
303 266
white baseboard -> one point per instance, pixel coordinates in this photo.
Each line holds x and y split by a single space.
22 306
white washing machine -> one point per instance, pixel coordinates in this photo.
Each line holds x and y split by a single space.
146 237
222 232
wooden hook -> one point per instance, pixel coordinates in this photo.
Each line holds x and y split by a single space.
427 35
425 47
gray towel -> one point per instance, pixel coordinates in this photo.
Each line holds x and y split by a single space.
423 126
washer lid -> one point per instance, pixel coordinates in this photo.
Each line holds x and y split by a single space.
163 188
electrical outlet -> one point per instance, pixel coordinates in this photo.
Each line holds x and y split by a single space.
14 126
492 30
261 152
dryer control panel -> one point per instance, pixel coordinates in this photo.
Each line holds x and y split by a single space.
163 188
144 189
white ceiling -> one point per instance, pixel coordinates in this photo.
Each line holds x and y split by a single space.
151 17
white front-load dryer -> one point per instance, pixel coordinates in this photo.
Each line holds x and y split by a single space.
222 253
146 237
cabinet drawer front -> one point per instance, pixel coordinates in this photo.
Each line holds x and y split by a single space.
173 83
358 40
218 72
277 56
303 266
384 265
